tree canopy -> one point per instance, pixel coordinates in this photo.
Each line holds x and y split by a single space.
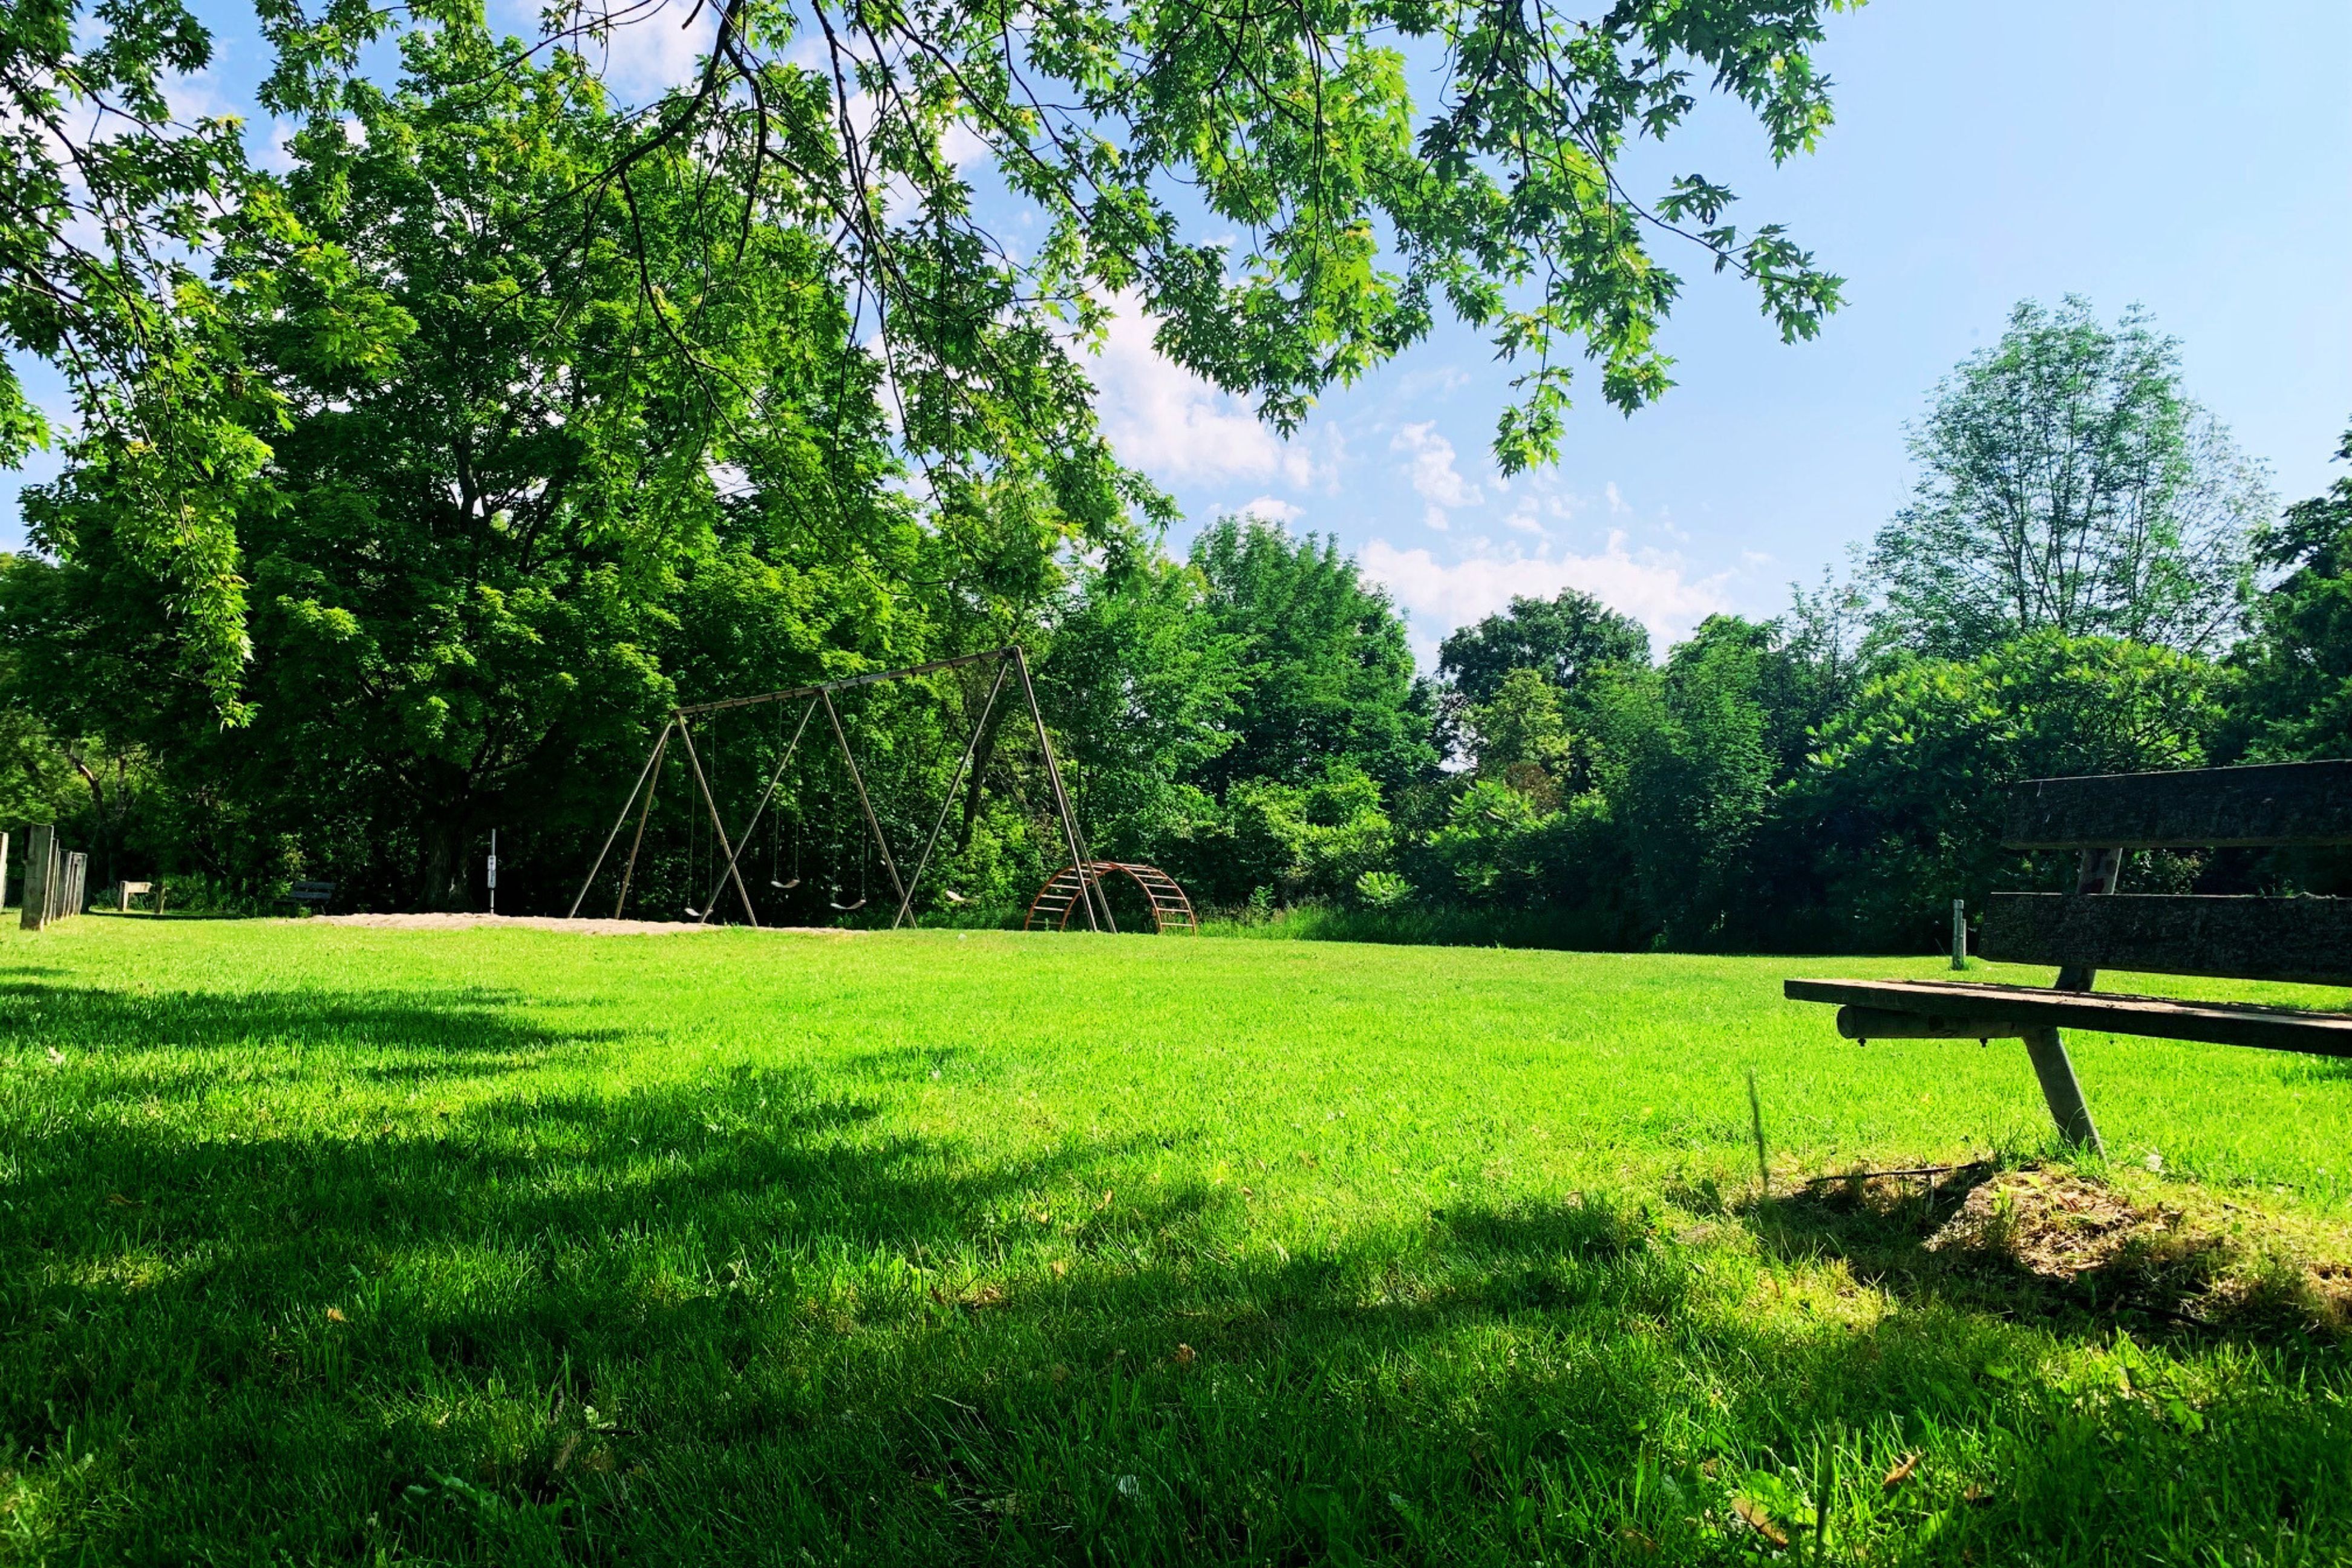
1381 162
1325 669
2068 484
107 205
1560 641
1293 197
1565 637
2298 663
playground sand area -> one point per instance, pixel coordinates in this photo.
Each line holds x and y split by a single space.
549 923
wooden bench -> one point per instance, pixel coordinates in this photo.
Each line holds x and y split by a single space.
312 894
2094 928
126 891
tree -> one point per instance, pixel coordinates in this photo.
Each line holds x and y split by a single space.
1366 212
37 782
1689 769
2069 485
1564 637
2297 701
1142 683
107 202
1326 675
1304 841
490 545
1524 725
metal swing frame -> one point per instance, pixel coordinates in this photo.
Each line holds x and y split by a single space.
1011 663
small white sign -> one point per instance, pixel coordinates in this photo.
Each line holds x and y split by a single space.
494 870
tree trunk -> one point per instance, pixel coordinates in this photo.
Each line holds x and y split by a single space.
979 760
104 827
444 863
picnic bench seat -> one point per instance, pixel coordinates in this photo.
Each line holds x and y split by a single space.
316 894
2093 927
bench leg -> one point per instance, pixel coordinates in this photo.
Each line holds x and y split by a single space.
2056 1071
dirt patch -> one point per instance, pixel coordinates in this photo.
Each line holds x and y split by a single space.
549 922
2196 1265
2051 1223
2045 1241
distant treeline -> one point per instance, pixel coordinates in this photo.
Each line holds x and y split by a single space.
487 537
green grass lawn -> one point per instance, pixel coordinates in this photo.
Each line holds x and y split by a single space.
321 1244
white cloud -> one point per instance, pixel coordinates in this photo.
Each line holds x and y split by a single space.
199 96
1176 427
1655 588
1441 380
1271 507
651 53
278 157
1434 477
963 145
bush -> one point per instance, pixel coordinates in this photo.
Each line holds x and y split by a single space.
1906 796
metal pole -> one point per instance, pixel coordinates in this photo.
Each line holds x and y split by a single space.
946 801
753 825
858 779
493 870
845 683
652 784
1089 889
717 826
2097 876
651 759
2061 1091
1960 933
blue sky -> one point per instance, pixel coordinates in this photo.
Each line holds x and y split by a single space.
2194 158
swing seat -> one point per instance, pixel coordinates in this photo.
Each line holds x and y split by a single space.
952 896
784 887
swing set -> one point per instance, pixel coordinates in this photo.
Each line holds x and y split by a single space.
1010 668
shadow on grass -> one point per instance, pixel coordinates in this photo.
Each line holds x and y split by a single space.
390 1037
762 1315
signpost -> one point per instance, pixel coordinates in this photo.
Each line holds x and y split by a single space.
494 870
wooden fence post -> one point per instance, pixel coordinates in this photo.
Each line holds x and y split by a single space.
40 866
3 871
